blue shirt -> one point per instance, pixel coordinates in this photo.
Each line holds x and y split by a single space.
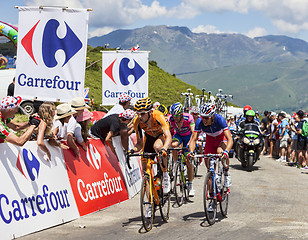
216 129
284 123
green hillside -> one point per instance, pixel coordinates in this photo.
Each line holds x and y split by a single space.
163 87
273 86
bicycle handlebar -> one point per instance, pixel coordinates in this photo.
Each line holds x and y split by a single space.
142 154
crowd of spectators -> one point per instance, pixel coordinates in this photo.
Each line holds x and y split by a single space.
66 126
284 141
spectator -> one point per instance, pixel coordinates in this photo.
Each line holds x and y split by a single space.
82 130
283 136
124 103
10 90
265 130
64 113
78 105
113 125
272 137
293 125
301 141
3 62
8 109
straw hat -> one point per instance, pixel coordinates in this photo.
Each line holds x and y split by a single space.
78 103
64 110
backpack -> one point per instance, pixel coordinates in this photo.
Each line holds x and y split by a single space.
305 129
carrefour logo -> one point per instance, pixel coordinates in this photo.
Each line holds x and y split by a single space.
94 157
125 71
51 43
32 165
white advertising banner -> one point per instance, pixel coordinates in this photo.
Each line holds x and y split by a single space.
124 72
51 53
35 194
133 176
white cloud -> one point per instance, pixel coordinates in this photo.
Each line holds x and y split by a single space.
256 32
206 29
100 31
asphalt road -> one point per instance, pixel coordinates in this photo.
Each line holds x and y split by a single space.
268 203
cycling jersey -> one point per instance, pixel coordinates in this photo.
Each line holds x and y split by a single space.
214 133
153 127
4 130
185 129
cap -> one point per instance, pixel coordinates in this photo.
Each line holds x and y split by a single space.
124 98
10 102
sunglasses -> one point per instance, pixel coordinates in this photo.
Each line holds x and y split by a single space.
205 117
142 113
195 114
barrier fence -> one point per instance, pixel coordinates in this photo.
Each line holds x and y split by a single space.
36 194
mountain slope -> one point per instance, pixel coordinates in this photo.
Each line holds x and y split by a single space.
275 86
178 50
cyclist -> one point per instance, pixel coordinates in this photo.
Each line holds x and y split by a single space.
157 137
184 125
218 136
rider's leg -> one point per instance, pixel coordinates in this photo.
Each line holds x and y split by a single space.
158 144
222 146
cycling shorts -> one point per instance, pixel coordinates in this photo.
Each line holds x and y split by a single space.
181 139
212 143
149 143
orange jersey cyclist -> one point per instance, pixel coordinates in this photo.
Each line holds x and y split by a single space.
218 136
156 137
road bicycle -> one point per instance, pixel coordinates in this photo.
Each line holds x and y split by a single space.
187 101
151 194
214 189
180 184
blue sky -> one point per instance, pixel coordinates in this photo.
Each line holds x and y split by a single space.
250 17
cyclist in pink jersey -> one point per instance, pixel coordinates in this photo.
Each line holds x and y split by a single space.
183 124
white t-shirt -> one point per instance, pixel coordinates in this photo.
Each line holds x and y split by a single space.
58 124
117 109
77 134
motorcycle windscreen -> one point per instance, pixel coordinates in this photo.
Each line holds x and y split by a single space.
252 128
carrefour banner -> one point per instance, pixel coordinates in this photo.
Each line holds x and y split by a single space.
51 53
35 194
124 72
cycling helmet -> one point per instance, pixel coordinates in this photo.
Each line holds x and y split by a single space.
144 104
247 107
207 110
250 113
194 109
162 109
176 109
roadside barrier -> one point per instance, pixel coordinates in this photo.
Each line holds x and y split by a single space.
36 194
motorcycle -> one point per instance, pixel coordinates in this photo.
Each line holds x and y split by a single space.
249 145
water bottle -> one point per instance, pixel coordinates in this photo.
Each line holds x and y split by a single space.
157 183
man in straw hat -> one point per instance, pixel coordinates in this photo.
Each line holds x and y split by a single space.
8 109
78 105
113 125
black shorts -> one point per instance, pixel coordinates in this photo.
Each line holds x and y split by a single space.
149 143
302 145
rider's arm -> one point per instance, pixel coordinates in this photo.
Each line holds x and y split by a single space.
229 139
192 141
139 135
165 126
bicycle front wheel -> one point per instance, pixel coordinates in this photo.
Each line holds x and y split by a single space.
209 202
164 205
224 201
178 185
147 203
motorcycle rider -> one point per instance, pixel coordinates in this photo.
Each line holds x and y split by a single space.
250 118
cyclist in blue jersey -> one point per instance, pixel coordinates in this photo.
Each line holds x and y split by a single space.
218 136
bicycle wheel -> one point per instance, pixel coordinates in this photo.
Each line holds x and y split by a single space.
196 164
164 205
209 202
147 203
178 185
224 200
171 169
